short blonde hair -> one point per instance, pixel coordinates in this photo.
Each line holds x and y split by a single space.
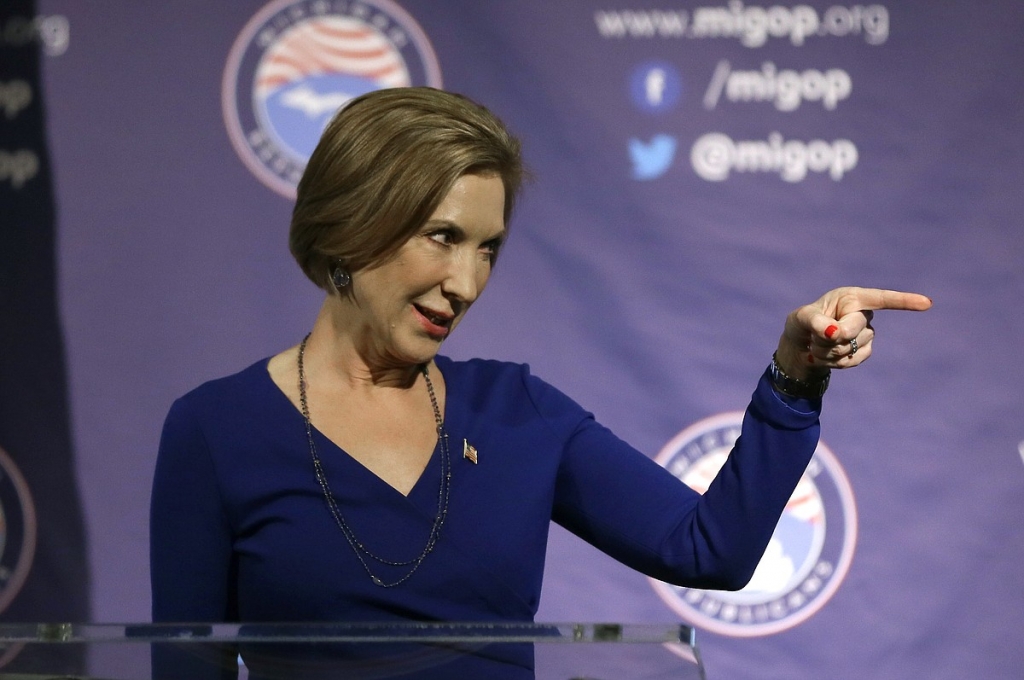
383 166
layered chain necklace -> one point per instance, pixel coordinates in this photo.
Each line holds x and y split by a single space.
444 490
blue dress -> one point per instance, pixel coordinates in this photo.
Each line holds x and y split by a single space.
240 530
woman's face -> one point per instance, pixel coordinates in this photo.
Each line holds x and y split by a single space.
406 306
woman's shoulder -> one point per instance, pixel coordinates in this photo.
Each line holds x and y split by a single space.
232 413
505 384
478 377
481 369
246 385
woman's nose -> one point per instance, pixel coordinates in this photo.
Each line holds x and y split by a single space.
462 280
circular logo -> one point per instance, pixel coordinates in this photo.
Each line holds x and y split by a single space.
17 530
298 61
808 555
655 86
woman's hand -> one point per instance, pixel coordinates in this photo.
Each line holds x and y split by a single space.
835 331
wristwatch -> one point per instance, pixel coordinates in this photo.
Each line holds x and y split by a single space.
802 389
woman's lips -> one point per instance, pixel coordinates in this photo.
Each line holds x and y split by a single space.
436 324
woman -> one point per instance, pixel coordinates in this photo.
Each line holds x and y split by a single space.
360 476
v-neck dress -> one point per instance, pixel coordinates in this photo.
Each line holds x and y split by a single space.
240 529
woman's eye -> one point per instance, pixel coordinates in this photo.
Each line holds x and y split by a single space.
490 249
442 237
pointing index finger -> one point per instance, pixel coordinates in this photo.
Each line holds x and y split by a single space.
876 298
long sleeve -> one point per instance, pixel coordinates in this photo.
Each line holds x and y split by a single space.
190 549
628 506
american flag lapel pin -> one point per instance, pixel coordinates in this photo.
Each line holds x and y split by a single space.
469 452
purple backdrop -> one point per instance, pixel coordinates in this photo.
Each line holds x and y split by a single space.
701 170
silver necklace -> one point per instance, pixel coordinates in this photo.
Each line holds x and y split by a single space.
444 490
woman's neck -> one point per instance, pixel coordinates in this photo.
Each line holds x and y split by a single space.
340 351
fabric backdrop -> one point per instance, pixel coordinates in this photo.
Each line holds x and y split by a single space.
701 170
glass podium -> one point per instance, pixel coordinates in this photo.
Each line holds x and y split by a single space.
364 651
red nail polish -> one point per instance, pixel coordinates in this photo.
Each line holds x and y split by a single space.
830 331
810 358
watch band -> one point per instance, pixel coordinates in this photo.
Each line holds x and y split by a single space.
801 389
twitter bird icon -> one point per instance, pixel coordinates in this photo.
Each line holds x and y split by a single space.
652 159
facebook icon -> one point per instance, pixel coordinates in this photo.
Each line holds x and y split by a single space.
655 86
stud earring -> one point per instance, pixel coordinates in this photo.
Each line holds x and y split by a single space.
340 277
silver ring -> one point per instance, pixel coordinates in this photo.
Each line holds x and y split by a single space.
853 347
